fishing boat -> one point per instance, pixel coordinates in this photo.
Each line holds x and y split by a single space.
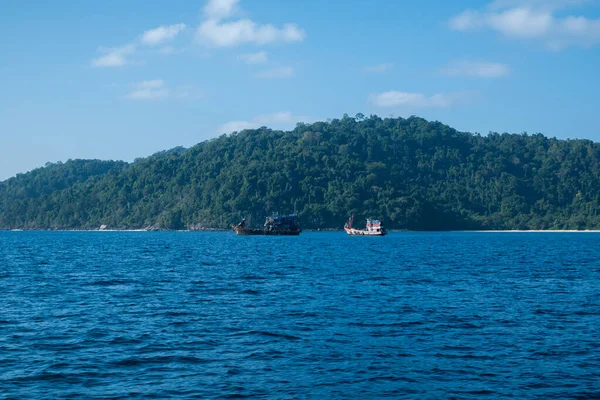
274 226
374 228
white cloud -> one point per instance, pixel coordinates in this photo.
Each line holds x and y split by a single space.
158 89
218 9
532 19
219 28
522 22
276 73
119 56
244 31
515 22
280 120
478 69
149 90
418 100
236 126
161 34
255 58
378 68
214 31
114 57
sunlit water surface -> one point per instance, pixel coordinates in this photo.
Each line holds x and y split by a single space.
323 315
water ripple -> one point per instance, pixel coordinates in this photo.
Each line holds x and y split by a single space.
211 315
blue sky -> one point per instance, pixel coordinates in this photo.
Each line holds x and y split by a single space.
124 79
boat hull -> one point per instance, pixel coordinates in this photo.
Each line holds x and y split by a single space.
360 232
262 232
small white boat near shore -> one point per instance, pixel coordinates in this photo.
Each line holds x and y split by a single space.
373 228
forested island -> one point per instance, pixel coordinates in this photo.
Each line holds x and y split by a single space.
411 173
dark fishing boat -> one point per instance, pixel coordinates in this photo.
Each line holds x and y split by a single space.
274 226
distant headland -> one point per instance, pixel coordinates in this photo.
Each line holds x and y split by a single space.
410 173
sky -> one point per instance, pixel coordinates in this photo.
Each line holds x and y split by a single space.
117 79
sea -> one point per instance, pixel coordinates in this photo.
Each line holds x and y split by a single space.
453 315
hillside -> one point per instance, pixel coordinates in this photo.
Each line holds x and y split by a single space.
411 173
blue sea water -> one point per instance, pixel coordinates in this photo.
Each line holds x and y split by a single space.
323 315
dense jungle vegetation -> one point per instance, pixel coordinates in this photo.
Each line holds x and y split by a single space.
411 173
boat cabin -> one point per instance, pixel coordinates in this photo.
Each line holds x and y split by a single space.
374 225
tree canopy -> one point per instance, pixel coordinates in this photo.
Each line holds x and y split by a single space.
410 173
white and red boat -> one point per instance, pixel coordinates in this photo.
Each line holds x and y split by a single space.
374 228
